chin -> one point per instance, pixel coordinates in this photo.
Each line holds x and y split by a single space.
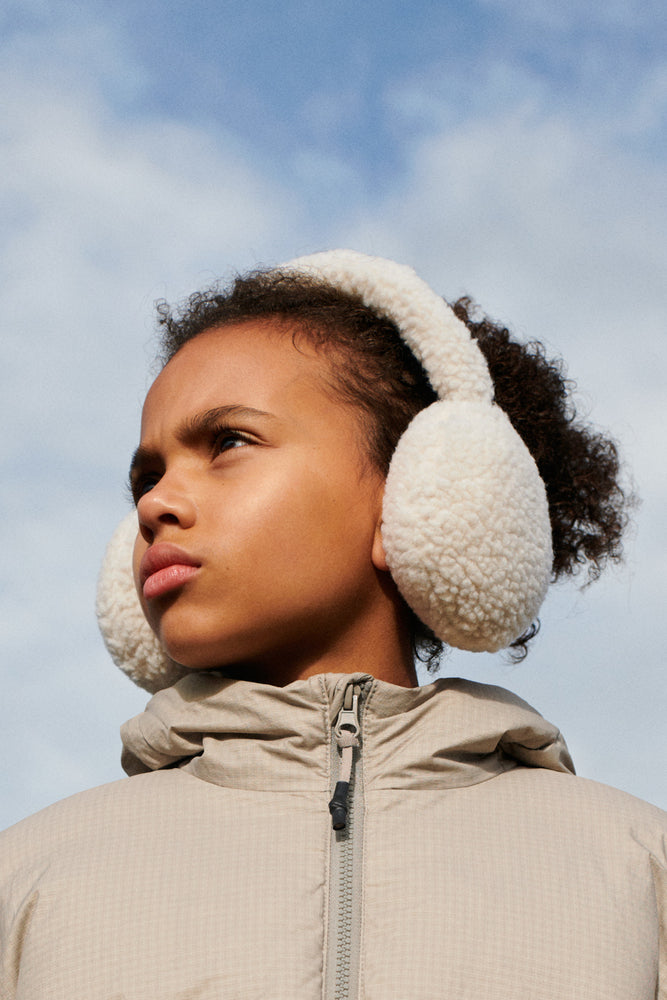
193 660
236 652
194 653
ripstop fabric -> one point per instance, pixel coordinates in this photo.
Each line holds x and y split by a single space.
485 868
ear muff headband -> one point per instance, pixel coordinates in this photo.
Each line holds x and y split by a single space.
465 518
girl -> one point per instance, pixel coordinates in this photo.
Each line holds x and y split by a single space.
338 472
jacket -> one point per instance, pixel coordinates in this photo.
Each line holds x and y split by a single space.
472 863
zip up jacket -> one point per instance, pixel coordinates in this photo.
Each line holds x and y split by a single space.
468 862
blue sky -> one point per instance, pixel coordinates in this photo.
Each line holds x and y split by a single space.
515 152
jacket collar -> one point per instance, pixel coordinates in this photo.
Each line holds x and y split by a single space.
234 733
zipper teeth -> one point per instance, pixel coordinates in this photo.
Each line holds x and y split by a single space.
346 903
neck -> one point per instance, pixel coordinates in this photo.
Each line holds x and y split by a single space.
399 670
383 651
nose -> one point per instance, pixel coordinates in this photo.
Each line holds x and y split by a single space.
167 503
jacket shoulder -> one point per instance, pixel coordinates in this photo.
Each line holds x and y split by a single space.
569 800
59 827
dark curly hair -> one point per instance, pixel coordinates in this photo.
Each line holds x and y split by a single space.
374 369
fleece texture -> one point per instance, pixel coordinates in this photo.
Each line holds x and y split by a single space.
465 520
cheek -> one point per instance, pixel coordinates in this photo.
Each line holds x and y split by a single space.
327 519
283 527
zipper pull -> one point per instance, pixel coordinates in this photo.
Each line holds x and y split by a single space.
347 731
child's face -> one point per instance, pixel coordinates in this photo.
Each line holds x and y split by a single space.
272 507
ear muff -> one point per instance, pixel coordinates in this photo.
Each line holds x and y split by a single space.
465 518
127 635
460 493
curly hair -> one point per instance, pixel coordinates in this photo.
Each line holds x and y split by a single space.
374 369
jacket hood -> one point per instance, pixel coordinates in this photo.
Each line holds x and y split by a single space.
240 734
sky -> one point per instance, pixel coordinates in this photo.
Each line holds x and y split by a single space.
513 152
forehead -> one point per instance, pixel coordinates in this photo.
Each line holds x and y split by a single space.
261 363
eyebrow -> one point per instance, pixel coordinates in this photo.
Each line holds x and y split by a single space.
196 427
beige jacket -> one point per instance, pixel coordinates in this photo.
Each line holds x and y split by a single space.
473 866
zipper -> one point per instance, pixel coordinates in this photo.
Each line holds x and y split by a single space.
347 732
347 814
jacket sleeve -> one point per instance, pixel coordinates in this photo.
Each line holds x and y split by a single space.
659 870
12 931
19 897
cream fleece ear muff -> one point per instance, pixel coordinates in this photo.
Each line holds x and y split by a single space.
127 635
465 519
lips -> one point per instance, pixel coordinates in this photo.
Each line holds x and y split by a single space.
165 567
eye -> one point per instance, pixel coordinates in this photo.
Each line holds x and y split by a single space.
227 439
